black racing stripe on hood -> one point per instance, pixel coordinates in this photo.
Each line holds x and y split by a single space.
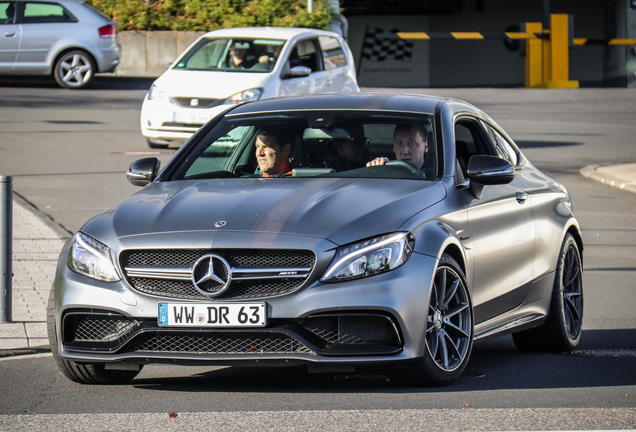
376 101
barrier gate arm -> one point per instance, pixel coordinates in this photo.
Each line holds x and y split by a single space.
547 51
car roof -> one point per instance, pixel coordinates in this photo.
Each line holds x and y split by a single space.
396 102
269 32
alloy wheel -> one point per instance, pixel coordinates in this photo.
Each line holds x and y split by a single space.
449 326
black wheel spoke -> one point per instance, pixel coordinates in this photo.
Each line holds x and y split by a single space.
433 345
450 293
444 350
452 328
572 310
441 288
452 350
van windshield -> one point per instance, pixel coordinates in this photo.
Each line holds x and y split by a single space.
232 55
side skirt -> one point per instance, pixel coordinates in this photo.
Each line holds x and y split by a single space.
530 313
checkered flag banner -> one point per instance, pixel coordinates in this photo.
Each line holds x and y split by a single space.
382 48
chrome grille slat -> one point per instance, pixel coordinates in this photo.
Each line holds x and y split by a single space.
255 273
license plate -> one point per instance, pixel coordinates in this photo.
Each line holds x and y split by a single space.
192 117
216 315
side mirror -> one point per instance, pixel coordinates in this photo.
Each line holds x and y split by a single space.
488 170
299 71
143 171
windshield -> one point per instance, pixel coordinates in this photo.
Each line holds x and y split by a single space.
316 143
232 54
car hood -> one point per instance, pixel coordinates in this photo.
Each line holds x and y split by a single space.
209 84
340 210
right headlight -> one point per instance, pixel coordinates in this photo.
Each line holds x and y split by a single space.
91 258
155 93
370 257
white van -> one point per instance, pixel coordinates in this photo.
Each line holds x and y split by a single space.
230 66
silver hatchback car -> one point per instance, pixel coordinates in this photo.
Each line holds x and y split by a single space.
66 38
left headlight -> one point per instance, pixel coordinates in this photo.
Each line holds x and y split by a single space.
244 96
370 257
91 258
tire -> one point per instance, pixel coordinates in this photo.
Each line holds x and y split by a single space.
83 373
74 69
449 332
562 329
156 145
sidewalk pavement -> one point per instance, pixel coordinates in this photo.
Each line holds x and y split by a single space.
37 241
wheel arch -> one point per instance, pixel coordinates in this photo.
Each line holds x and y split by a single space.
578 238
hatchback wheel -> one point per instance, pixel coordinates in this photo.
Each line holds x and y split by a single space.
562 329
74 70
449 330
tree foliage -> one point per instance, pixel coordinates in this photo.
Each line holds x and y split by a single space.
206 15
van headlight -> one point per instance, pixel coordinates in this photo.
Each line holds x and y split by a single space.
91 258
370 257
157 94
244 96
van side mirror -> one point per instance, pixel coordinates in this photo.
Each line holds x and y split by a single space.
143 171
299 71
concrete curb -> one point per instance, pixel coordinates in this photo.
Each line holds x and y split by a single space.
594 172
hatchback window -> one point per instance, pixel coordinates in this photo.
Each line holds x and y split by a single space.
7 12
328 144
332 53
46 13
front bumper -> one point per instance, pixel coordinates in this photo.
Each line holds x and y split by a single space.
376 319
166 121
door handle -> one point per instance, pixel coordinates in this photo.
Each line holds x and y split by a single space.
9 34
521 196
329 82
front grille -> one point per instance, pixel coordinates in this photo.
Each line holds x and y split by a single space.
217 343
353 329
105 329
255 273
200 102
329 335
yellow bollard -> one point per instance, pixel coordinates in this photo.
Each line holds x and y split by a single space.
534 61
556 56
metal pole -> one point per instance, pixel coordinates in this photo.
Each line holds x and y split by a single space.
546 14
6 254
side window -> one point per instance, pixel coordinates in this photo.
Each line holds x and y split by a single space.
46 13
502 146
7 12
304 54
470 139
332 53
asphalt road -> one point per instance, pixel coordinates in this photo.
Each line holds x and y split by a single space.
68 152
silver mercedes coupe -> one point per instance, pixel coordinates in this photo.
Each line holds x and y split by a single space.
338 232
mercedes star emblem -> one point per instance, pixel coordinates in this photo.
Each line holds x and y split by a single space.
211 275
